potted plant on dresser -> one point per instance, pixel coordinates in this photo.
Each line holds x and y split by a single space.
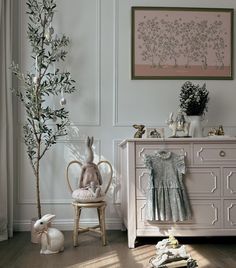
193 102
44 124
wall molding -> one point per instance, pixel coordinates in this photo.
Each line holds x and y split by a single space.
98 71
117 171
67 224
115 60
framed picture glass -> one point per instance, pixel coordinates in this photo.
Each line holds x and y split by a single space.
154 132
182 43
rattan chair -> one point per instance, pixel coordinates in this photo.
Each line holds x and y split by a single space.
100 206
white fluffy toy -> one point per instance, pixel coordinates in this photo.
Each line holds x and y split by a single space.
52 240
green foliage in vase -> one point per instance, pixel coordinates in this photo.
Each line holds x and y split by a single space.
40 133
193 98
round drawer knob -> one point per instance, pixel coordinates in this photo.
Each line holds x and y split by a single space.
222 153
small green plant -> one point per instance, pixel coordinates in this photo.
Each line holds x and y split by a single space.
44 124
193 98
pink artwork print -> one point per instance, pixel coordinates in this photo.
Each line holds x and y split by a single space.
175 43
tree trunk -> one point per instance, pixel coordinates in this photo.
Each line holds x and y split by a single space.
37 179
38 191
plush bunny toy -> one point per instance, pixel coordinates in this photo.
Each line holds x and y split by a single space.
90 179
52 240
90 172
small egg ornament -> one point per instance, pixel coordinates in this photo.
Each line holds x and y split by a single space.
35 79
63 101
47 35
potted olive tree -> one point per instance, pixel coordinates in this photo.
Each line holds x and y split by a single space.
44 124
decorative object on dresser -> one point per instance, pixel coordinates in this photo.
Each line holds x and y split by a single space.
140 130
154 132
193 101
216 131
179 124
90 193
210 183
52 240
197 125
40 133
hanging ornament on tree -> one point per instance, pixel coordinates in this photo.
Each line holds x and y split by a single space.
49 32
62 100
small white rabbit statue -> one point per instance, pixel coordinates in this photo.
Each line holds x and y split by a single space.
52 240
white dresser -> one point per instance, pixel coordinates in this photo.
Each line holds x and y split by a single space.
210 182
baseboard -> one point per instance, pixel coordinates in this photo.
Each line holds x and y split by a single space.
67 224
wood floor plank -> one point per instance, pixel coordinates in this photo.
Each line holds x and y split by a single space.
19 252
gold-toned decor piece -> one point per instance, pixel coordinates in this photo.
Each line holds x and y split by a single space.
140 131
216 131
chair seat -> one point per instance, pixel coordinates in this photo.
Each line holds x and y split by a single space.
89 204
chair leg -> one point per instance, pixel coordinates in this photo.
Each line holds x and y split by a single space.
76 225
102 224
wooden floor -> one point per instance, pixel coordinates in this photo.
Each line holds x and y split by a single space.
19 252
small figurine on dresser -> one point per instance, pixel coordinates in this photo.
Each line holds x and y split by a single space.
90 179
140 131
179 124
216 131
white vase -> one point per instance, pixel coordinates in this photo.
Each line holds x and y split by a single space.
197 124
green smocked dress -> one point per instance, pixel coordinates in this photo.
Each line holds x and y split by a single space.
166 195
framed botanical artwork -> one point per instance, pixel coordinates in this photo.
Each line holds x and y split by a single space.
182 43
154 132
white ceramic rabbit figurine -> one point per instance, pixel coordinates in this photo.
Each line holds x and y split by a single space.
52 240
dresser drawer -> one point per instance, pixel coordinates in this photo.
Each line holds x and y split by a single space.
203 181
198 182
206 214
151 148
205 154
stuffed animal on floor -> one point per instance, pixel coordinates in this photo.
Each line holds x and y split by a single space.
90 179
52 240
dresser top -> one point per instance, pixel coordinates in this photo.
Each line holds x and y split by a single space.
220 139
